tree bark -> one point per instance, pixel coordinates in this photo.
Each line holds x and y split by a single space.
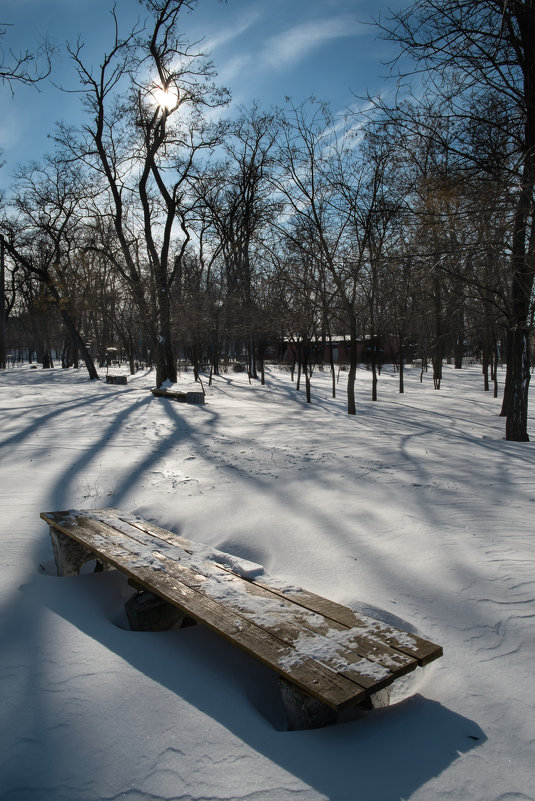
2 308
518 385
351 406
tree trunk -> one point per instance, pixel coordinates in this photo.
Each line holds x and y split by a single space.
495 360
2 308
437 352
73 331
485 370
518 377
252 359
165 359
523 247
333 371
261 353
374 369
307 386
351 406
401 357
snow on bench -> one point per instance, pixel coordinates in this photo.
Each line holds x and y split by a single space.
329 657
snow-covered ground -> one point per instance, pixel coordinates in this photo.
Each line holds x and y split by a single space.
415 510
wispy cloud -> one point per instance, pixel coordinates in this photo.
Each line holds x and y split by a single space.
227 34
234 68
288 48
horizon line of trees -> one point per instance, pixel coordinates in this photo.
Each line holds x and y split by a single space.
163 228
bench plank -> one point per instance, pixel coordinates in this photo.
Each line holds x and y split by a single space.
337 691
375 633
414 646
284 620
166 393
326 649
362 642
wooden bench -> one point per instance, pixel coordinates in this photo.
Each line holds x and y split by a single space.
178 395
329 657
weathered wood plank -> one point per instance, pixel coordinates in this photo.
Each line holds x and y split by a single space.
424 651
373 631
338 692
172 395
234 593
343 648
284 622
329 635
358 640
170 537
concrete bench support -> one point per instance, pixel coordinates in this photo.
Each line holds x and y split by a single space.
303 711
147 612
69 554
379 700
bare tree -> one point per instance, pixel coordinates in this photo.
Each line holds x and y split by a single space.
141 142
468 54
239 204
307 149
42 236
27 67
335 191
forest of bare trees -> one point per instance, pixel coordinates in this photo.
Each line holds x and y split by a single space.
169 229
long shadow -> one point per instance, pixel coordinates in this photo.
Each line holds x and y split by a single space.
421 738
107 433
179 428
57 409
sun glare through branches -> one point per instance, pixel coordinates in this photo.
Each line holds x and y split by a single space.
166 99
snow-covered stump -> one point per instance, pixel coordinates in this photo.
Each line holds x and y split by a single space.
68 554
303 711
147 612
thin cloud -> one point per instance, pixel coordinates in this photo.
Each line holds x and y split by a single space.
228 34
234 67
288 48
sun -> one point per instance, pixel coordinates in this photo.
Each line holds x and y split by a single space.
166 99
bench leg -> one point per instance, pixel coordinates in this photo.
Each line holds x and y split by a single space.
147 612
303 711
380 699
69 554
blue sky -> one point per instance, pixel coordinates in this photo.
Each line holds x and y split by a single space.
263 49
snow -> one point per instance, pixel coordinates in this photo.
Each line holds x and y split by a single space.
242 567
416 512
